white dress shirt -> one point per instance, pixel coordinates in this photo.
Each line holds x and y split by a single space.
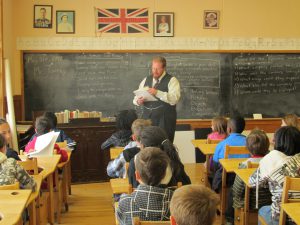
171 97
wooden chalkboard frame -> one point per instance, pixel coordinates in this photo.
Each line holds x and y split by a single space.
137 51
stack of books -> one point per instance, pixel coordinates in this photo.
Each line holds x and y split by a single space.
65 116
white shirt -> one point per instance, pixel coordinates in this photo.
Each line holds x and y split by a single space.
172 96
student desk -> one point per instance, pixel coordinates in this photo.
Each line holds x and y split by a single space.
229 166
49 166
245 174
33 199
207 149
12 204
292 209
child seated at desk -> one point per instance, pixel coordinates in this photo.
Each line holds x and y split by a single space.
153 136
5 131
151 200
10 170
116 168
219 127
257 143
43 126
123 136
193 204
284 161
235 127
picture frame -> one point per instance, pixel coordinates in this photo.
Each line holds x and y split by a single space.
65 22
163 24
42 17
211 19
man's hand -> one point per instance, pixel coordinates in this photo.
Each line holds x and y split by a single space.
140 101
152 91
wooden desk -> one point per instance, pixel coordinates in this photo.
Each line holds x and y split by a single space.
208 150
292 209
12 205
49 166
245 174
229 166
120 185
33 199
22 129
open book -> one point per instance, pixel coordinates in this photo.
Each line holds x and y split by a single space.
44 144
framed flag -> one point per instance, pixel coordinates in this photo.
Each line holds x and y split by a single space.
163 24
122 20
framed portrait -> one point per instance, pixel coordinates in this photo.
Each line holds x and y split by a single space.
211 19
42 17
163 24
65 22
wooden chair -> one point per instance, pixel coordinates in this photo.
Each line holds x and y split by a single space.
115 152
214 141
235 150
120 186
14 186
229 150
137 221
30 165
290 184
244 216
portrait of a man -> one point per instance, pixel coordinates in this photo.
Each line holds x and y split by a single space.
211 19
42 16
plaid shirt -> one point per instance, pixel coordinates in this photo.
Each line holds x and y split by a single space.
147 203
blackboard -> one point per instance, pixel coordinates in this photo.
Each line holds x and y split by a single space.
211 83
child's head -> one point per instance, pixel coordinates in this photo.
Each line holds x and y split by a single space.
258 142
287 140
42 125
137 127
153 167
125 119
2 144
5 130
193 204
219 124
290 120
52 118
236 124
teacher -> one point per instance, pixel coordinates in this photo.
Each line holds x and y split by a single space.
166 89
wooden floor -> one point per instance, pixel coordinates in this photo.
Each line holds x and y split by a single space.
91 204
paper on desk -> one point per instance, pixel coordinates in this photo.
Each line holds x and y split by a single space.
145 94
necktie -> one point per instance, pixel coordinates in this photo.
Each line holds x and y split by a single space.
156 83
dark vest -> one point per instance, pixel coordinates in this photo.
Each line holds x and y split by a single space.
162 86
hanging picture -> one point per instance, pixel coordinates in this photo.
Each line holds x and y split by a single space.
65 22
42 16
211 19
163 24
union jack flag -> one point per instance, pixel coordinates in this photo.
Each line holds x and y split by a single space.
122 20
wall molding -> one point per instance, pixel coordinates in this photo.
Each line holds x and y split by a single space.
150 43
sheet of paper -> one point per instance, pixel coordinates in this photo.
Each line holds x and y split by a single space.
145 94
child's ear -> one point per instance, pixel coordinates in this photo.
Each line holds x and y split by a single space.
172 220
133 137
138 176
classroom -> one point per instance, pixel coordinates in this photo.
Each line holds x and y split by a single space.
233 62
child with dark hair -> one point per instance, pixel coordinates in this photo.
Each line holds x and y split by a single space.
43 126
284 161
151 200
153 136
257 143
123 136
10 170
5 131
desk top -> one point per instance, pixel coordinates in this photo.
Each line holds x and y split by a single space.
12 204
206 149
47 163
292 209
230 165
245 174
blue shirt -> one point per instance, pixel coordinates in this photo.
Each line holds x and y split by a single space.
234 139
